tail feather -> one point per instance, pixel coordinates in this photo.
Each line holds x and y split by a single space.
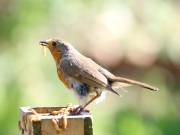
133 82
110 89
112 79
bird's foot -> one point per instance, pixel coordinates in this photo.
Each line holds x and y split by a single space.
79 110
70 110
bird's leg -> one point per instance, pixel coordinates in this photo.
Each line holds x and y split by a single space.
95 97
80 108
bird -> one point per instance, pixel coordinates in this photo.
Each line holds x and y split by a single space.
87 79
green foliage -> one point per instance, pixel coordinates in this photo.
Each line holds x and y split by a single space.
130 122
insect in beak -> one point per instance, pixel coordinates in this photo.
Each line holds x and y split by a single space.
44 44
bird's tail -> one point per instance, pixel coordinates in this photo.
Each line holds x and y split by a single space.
133 82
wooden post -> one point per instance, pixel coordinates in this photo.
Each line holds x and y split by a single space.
38 121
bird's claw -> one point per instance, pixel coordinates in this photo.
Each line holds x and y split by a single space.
70 110
77 110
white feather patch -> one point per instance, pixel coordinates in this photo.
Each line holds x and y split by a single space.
102 97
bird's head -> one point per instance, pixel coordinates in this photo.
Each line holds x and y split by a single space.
56 47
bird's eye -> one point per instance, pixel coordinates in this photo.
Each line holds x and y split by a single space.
53 43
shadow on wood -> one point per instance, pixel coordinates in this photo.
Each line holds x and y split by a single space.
38 121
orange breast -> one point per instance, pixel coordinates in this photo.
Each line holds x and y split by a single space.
62 78
56 55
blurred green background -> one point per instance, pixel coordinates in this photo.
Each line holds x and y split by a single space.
138 39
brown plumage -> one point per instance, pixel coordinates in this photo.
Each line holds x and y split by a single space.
82 74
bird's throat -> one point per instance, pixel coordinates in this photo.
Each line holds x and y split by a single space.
56 54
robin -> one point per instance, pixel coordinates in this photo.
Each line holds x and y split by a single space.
84 76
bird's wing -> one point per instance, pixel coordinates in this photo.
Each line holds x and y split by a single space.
84 70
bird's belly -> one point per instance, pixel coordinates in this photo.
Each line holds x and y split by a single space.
81 89
84 91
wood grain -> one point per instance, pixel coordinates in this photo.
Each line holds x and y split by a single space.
41 123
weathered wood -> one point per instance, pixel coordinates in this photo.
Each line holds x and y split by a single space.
38 121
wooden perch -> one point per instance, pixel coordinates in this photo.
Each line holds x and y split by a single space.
40 121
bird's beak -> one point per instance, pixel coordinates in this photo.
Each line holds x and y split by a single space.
43 43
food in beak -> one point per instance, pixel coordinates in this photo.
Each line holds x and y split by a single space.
44 50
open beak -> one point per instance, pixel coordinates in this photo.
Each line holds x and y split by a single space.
43 43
